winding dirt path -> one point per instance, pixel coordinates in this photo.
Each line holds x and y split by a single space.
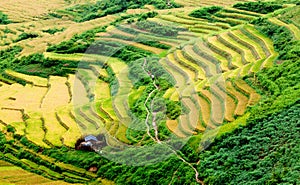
156 139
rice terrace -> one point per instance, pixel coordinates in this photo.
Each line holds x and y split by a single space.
149 92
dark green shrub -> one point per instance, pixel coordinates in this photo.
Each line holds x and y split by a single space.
206 12
10 129
158 28
4 19
24 36
79 43
53 30
259 7
86 12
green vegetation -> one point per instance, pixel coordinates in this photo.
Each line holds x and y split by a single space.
264 152
4 19
291 15
158 28
140 77
280 83
130 18
281 36
78 43
37 64
140 72
173 96
53 30
85 43
142 40
7 57
219 14
86 12
259 7
206 12
24 36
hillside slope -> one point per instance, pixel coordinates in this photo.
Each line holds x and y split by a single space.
174 92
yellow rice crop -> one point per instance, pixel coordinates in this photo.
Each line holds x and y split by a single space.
169 93
201 72
248 54
27 97
254 97
256 45
76 57
172 125
39 81
236 58
10 116
34 129
54 129
20 11
102 90
242 99
174 128
230 105
136 11
58 94
190 73
8 176
71 135
108 108
121 133
216 113
40 43
79 94
175 96
100 70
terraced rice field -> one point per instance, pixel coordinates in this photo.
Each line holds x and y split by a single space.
199 72
198 63
40 43
292 28
236 58
57 94
78 91
35 130
34 80
191 74
11 116
200 55
241 99
135 44
197 3
54 129
229 101
174 128
206 59
73 132
244 87
23 97
9 171
120 101
265 43
242 50
20 11
67 170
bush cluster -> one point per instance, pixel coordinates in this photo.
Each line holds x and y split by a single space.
259 7
86 12
206 12
4 19
24 36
